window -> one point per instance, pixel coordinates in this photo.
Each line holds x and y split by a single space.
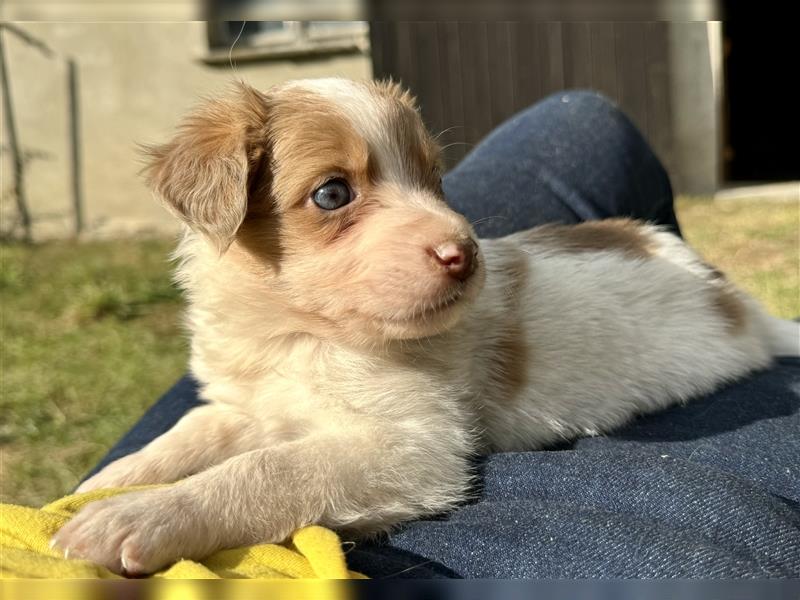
276 39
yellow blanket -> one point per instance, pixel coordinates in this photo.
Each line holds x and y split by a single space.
313 553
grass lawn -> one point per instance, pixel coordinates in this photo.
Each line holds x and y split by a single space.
756 244
91 334
91 337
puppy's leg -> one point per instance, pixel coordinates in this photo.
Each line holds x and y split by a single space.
205 436
362 483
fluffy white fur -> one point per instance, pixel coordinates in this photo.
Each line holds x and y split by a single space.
303 425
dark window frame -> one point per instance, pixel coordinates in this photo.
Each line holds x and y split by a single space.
296 39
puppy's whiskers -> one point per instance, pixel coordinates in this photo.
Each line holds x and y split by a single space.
448 130
489 218
451 144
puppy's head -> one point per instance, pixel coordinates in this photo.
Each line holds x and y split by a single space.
330 191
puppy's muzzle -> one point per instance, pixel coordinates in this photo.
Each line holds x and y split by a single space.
457 257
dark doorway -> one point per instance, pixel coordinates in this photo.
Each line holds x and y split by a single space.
761 98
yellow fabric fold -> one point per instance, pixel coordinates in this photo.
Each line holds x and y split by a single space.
313 552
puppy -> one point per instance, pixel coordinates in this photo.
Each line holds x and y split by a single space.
356 346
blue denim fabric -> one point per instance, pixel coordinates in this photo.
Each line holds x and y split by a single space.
710 489
572 157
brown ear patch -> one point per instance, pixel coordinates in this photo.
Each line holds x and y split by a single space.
310 138
203 174
623 235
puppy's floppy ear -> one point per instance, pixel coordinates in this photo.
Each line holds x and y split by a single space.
202 175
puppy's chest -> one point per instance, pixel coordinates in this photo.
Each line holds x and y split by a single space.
406 390
412 387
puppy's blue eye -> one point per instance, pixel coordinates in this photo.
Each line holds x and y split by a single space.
334 194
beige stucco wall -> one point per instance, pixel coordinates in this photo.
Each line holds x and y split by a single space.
136 80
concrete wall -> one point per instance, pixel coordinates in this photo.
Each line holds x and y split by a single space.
695 89
136 81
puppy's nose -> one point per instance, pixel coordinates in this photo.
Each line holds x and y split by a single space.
457 257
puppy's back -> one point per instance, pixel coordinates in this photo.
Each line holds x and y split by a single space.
617 318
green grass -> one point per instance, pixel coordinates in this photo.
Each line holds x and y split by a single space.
91 335
755 243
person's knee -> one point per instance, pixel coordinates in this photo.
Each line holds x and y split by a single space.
584 98
589 107
608 122
609 139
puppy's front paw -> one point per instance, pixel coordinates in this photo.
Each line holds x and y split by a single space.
136 533
134 469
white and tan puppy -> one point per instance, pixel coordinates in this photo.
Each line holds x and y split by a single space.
357 347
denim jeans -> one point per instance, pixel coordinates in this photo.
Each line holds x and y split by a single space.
709 489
